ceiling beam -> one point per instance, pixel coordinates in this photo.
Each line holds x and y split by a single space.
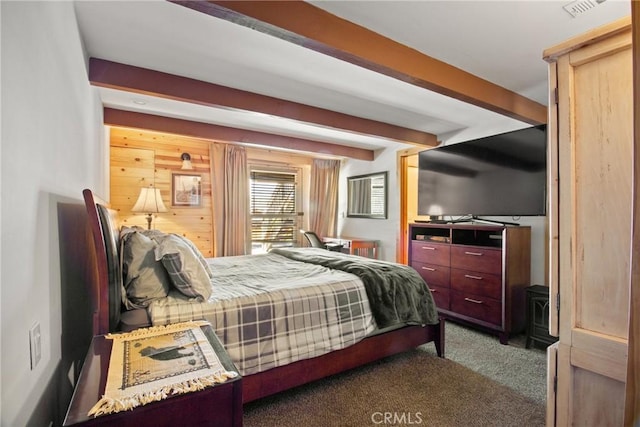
129 119
128 78
311 27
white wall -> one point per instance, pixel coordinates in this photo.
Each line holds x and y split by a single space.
384 230
52 147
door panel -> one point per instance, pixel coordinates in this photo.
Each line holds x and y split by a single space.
602 216
553 200
593 145
588 409
552 363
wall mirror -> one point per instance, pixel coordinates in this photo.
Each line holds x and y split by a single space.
367 196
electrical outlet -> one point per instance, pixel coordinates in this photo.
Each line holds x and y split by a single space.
35 344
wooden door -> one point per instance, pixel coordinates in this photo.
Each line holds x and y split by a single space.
408 177
590 154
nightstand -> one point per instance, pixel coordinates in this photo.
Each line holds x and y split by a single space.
220 405
538 316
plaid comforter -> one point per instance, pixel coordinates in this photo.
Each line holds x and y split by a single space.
269 310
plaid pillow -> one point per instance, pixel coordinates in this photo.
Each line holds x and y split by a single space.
186 272
198 254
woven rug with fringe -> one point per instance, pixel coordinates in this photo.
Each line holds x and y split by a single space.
151 364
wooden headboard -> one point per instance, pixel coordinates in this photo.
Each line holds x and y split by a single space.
106 292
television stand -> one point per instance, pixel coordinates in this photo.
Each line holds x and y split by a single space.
477 273
491 221
432 221
444 221
470 220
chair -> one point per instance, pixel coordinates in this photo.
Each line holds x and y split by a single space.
316 242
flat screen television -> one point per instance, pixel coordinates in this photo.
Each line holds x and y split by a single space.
499 175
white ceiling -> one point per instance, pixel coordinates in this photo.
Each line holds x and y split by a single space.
500 41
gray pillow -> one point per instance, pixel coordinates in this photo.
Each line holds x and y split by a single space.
145 278
186 271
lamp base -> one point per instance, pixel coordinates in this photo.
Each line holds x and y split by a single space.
149 219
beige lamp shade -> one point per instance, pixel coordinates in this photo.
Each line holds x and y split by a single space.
149 202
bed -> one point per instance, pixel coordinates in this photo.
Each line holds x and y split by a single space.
342 311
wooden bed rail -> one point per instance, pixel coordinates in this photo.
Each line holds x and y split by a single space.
366 351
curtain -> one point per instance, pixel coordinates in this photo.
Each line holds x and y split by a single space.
216 161
230 200
237 222
323 197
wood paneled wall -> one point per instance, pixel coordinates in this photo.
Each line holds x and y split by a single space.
139 159
142 158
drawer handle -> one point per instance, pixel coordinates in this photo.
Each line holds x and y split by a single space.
433 290
469 276
431 248
428 268
475 301
473 253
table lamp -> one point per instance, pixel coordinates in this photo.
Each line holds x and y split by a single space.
149 202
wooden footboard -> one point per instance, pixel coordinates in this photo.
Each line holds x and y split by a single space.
370 349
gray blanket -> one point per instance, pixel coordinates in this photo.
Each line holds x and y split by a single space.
396 292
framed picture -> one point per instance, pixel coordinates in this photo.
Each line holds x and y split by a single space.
186 190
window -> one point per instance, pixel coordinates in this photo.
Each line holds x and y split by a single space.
274 214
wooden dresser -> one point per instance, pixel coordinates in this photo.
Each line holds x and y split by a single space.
476 273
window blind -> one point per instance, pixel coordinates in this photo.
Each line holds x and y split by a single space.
273 207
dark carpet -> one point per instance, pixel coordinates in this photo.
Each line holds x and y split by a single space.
413 388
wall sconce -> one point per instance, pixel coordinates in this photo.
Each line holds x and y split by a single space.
149 202
186 161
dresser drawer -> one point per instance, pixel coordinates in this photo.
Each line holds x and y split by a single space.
433 274
474 258
431 253
479 307
440 296
477 283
